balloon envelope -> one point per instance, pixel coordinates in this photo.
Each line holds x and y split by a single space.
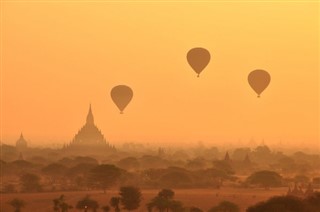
121 95
198 58
259 80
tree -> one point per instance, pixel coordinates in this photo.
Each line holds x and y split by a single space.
65 207
129 163
30 182
115 203
56 204
265 178
59 204
9 188
160 203
240 153
286 164
79 173
176 178
194 209
166 193
281 203
215 175
149 161
301 179
263 150
85 159
175 206
87 204
225 206
224 166
54 171
104 176
80 169
106 208
130 197
262 154
164 202
313 202
196 163
17 204
18 167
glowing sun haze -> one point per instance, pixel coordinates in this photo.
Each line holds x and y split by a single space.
57 58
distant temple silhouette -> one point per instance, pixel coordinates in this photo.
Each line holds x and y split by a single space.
298 192
21 143
89 138
247 159
227 157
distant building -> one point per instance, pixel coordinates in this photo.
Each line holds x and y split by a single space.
298 192
89 138
309 191
227 157
289 191
21 143
247 159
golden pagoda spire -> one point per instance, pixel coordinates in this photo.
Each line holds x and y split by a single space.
90 120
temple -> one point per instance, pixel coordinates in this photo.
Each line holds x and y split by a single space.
227 157
298 192
21 143
247 159
89 138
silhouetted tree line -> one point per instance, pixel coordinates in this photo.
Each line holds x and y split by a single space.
130 199
85 173
289 203
84 176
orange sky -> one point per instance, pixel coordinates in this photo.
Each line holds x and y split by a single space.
59 57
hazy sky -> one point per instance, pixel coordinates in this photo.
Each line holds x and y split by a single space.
59 57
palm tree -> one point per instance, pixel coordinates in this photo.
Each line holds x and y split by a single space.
17 204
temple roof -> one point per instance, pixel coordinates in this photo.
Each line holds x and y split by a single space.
247 159
90 120
89 134
21 142
227 157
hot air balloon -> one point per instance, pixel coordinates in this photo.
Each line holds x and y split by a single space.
259 80
121 95
198 58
